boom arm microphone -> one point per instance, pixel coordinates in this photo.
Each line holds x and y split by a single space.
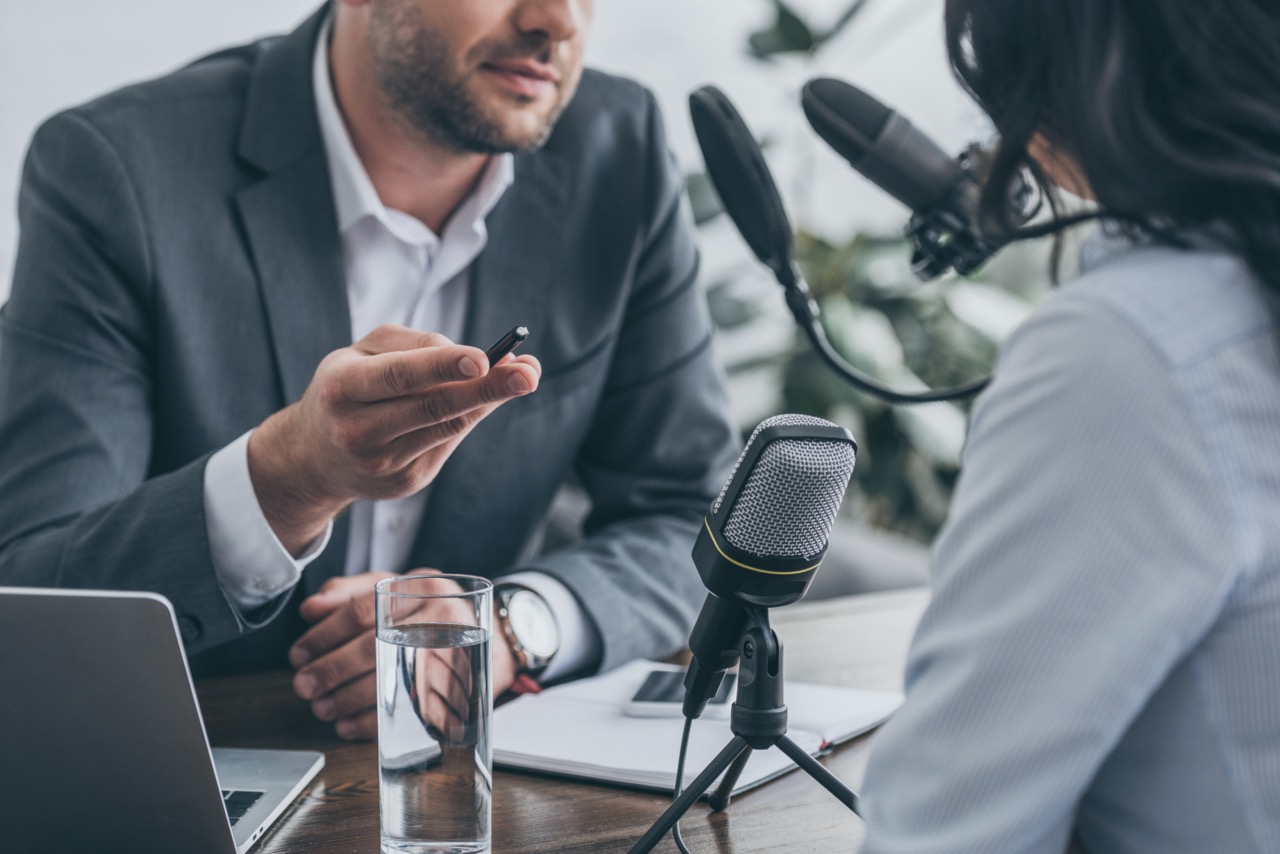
764 537
942 192
880 144
750 197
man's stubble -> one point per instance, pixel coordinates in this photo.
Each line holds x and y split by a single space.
412 70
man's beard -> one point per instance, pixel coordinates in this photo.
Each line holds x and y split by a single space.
410 65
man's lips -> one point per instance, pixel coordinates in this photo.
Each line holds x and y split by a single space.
524 77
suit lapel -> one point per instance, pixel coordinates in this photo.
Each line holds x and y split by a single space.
292 230
510 280
511 283
288 215
293 234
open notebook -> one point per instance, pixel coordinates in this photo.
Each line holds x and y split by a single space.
579 730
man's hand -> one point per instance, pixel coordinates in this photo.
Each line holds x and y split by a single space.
336 662
378 421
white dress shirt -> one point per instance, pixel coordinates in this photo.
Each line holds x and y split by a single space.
397 271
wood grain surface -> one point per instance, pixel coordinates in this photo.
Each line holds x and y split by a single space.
858 641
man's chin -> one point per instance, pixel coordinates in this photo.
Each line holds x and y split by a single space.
519 131
530 139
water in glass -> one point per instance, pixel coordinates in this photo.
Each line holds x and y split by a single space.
434 712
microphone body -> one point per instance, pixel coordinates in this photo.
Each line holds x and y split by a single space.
942 192
881 144
765 536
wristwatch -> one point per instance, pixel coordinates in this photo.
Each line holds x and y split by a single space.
525 619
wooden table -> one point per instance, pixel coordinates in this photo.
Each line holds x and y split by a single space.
857 641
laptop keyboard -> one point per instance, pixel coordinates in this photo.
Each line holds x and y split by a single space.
239 803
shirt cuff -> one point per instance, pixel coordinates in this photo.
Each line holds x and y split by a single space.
580 644
252 565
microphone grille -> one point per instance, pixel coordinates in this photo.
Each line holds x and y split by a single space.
788 504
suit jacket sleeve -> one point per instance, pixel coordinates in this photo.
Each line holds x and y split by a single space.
660 444
79 504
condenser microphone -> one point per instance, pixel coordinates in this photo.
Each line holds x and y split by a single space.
943 192
765 536
881 144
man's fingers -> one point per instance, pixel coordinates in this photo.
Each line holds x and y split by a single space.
523 359
336 592
327 645
517 377
316 607
331 596
444 696
441 439
349 662
390 337
362 727
445 403
450 678
404 372
347 700
443 713
459 692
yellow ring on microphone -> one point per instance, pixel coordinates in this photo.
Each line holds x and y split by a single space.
716 543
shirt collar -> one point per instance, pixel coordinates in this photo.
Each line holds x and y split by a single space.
1105 243
354 196
1111 239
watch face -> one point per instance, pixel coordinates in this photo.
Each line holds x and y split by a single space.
533 623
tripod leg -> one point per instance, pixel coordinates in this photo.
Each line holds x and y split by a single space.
720 797
690 795
828 780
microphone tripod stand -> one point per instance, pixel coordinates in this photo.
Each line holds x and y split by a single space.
758 721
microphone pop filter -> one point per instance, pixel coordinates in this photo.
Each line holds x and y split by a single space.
742 178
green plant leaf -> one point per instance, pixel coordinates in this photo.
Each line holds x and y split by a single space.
788 34
729 311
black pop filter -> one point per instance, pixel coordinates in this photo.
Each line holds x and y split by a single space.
742 179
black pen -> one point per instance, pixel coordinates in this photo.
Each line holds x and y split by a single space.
506 344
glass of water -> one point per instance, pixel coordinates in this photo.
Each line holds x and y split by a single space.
435 709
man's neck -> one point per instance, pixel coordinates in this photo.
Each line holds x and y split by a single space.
410 173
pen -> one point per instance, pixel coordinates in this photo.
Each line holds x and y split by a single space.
506 344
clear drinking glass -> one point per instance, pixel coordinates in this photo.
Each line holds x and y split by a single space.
435 709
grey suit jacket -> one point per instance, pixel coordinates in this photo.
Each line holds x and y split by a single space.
179 277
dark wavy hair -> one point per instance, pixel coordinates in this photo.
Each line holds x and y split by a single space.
1169 109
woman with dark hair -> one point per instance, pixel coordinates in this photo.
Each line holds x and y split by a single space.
1100 661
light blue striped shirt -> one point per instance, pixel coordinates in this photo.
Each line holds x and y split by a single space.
1101 655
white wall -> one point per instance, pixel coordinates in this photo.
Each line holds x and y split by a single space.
55 53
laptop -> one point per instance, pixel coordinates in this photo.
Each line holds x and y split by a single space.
102 747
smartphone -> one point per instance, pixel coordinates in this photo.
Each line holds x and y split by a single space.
504 345
661 695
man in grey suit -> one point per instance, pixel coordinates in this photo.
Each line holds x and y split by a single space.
182 406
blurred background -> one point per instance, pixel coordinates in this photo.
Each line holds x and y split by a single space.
759 52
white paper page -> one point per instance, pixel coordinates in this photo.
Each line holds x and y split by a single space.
580 729
833 712
838 714
596 740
